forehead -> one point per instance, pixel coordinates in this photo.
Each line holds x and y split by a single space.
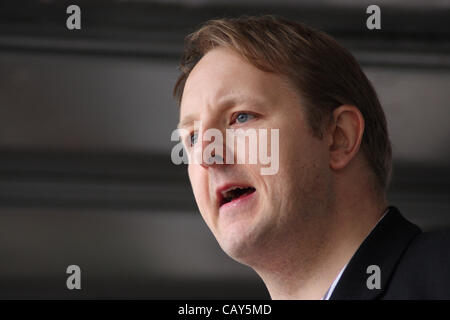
222 73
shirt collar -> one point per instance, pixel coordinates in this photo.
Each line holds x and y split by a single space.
335 282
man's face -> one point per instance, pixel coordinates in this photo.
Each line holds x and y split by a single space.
223 91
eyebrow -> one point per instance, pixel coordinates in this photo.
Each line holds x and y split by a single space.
187 120
224 103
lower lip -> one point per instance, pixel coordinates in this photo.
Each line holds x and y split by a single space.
239 203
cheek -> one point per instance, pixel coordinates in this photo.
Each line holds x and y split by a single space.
297 145
301 157
199 185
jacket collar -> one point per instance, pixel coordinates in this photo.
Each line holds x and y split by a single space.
383 247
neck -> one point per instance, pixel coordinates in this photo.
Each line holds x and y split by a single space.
306 263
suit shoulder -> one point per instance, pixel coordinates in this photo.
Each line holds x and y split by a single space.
424 269
428 251
429 243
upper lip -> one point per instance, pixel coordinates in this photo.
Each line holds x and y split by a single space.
226 187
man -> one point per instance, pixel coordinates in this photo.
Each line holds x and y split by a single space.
320 227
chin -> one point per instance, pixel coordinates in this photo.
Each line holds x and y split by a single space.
238 251
242 243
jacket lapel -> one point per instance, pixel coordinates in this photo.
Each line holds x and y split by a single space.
383 248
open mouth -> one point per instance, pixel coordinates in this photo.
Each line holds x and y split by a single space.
234 193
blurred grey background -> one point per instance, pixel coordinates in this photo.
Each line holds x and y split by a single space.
85 124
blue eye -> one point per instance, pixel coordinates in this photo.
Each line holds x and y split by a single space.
194 137
244 117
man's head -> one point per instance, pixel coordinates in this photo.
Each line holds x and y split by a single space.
268 73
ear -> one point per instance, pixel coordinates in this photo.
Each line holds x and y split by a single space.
345 133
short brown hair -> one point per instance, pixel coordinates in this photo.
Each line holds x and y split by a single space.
325 73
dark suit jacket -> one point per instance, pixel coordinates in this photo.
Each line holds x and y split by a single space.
413 264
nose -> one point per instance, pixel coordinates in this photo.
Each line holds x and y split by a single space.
213 160
210 150
213 154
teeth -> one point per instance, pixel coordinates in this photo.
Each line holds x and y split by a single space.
232 193
224 193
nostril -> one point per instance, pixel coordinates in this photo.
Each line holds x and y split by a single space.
215 159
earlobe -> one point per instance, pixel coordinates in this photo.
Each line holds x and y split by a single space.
345 135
